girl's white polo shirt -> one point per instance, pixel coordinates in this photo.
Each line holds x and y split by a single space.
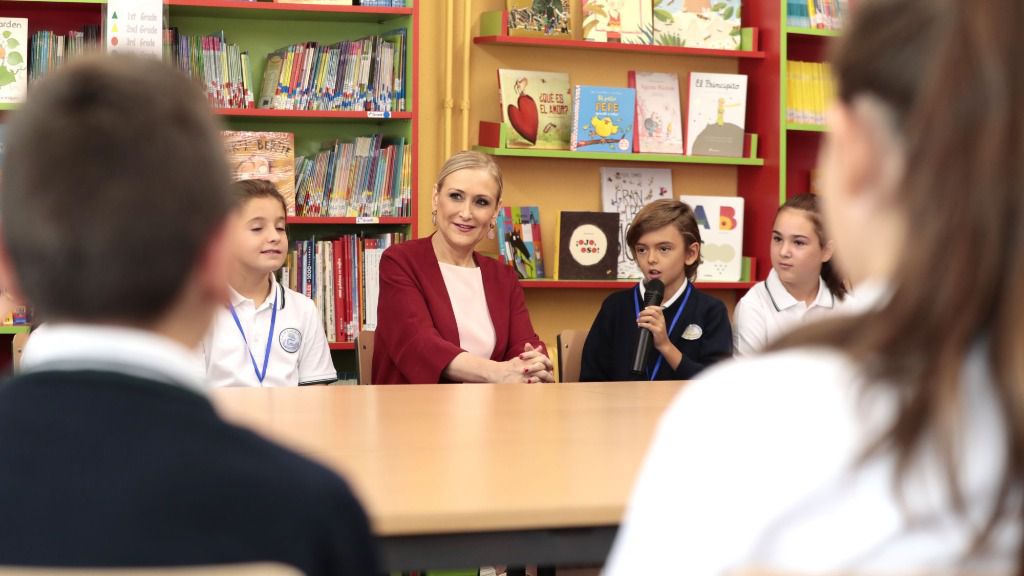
768 311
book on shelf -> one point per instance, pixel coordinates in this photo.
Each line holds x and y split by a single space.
362 75
659 126
698 23
540 18
535 107
221 68
602 119
264 155
519 244
720 221
342 277
14 60
588 246
817 14
625 191
716 114
809 91
50 50
620 21
367 177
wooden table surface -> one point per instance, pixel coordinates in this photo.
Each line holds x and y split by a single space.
435 459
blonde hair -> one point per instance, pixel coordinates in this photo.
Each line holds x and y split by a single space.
470 160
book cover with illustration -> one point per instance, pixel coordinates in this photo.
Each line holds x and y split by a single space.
519 243
659 125
698 23
720 220
588 246
264 155
622 21
535 108
602 119
13 60
540 18
625 191
716 115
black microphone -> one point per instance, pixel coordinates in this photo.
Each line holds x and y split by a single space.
653 295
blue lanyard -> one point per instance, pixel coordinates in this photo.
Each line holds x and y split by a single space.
636 302
270 340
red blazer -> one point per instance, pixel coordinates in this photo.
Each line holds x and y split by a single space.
417 337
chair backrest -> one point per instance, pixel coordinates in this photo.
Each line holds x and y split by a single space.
364 343
248 569
570 354
17 347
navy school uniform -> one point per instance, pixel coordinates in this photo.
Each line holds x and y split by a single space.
702 333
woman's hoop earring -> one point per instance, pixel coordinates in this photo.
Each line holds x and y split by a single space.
433 217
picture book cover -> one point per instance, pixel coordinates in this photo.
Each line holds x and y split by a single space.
540 18
264 155
659 125
535 108
603 119
698 23
716 115
588 246
519 242
625 191
720 220
622 21
13 59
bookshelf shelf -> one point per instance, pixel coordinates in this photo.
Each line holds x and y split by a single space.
614 157
15 329
813 32
794 127
284 11
363 220
613 47
341 345
620 284
311 114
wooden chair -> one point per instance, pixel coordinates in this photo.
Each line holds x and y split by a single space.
570 354
17 347
248 569
364 344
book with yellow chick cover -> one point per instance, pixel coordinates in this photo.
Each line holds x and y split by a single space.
602 119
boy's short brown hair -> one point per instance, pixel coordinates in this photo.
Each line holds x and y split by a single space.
659 214
244 190
115 183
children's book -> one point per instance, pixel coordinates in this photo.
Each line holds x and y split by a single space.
698 23
659 126
625 191
622 21
264 155
602 119
535 107
588 246
540 18
720 220
13 59
715 117
519 243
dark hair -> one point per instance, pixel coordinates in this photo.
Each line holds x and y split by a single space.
666 212
115 182
244 190
951 74
808 204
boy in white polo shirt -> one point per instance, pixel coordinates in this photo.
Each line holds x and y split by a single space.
268 335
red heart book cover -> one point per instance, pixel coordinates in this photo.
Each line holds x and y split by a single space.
536 108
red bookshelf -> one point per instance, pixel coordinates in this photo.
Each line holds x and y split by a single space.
341 345
614 47
362 220
310 114
284 10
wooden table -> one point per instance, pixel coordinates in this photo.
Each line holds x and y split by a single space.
459 475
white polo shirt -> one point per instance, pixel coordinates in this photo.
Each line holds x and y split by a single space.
298 346
768 311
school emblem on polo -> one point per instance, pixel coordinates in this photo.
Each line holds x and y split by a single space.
692 332
290 339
